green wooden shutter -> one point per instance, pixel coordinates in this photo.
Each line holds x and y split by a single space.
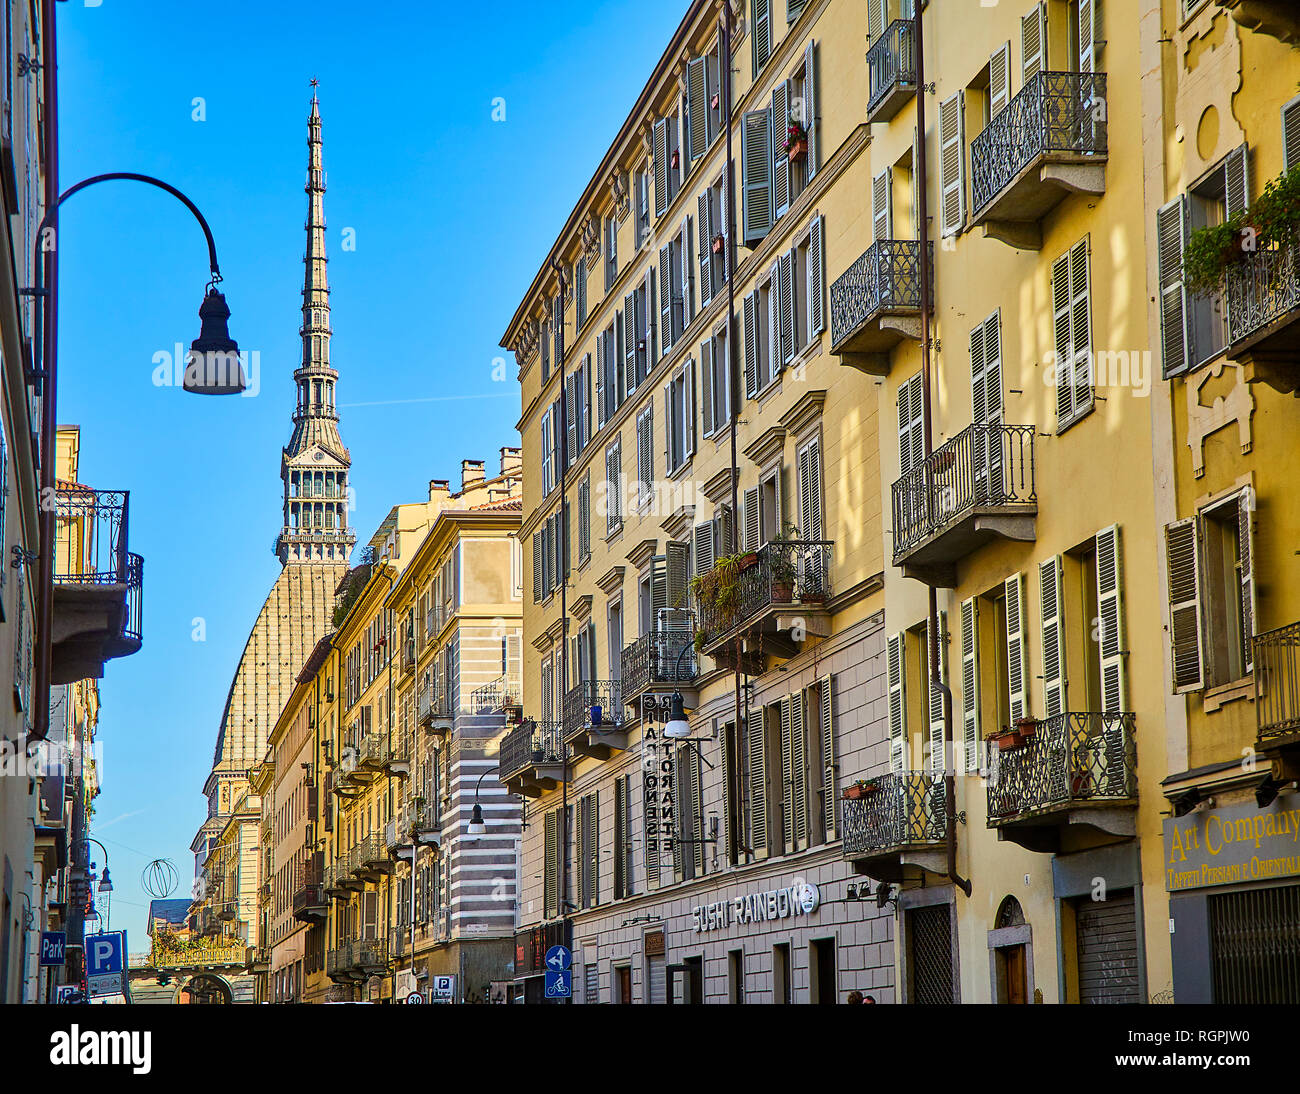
756 176
1291 134
830 762
1110 610
816 278
761 20
696 772
1175 326
1053 622
551 873
810 107
749 311
706 383
799 769
659 150
788 774
697 105
705 209
971 729
756 744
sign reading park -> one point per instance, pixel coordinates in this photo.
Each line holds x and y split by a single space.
1236 844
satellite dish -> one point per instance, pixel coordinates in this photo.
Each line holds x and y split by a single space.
160 878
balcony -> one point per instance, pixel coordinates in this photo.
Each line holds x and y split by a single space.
309 901
259 960
594 719
777 599
1048 142
976 487
1277 687
876 304
663 660
98 584
897 830
426 821
1263 304
370 861
339 883
531 759
1276 18
193 954
495 697
433 711
398 759
1075 776
891 64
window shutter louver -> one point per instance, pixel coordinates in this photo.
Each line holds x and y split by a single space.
731 777
620 815
911 440
1061 326
952 159
816 278
794 9
788 774
810 491
659 149
780 157
810 108
688 406
593 851
756 181
1110 610
1175 328
677 568
696 769
1081 325
688 274
897 680
1087 36
703 547
750 510
876 18
830 763
1053 621
537 567
935 711
799 769
1017 693
551 887
665 300
1236 173
719 265
999 79
762 33
697 105
756 747
706 383
706 248
971 731
568 554
749 311
785 270
649 356
1033 43
1245 543
571 419
882 225
653 844
1291 134
629 345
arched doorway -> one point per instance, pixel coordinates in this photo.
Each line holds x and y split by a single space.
1011 954
205 989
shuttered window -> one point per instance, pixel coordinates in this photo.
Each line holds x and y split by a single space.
584 517
760 12
1052 607
972 722
755 741
1072 326
794 772
645 455
882 212
551 866
829 758
1110 612
1291 134
815 272
756 176
810 491
1017 673
999 79
952 164
986 405
935 704
896 666
614 487
1033 43
1175 327
623 886
911 424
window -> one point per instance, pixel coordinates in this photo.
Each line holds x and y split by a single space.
641 195
781 978
645 455
577 397
1193 328
679 416
584 519
638 336
703 114
545 339
1212 593
952 164
676 285
811 525
611 251
1072 326
821 970
611 388
735 976
666 151
588 852
762 363
716 383
551 865
580 294
736 804
770 182
761 42
715 240
623 882
689 846
614 487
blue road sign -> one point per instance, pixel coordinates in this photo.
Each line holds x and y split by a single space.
67 993
559 958
53 947
104 953
559 982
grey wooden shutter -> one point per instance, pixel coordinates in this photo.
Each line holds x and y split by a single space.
706 383
999 79
773 364
755 739
659 150
749 312
537 567
780 157
935 705
756 176
703 547
810 107
665 299
630 335
970 683
1033 43
677 569
816 278
592 851
896 649
1017 693
794 9
830 762
1053 627
695 770
1236 176
1061 331
750 518
876 19
620 823
1110 612
1087 36
688 406
1245 544
688 274
799 751
952 164
649 355
882 218
762 33
1175 326
1291 134
697 105
706 247
785 271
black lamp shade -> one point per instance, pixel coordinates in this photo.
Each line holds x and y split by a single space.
213 366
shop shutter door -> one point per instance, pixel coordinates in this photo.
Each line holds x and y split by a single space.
929 934
658 987
1107 933
1255 945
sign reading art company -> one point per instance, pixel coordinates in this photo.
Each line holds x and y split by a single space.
802 898
1240 843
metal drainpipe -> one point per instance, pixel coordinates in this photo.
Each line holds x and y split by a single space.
562 561
923 239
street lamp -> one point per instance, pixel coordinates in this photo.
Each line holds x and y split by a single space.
677 726
477 825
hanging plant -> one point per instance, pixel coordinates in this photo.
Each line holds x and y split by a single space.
1272 221
796 140
718 591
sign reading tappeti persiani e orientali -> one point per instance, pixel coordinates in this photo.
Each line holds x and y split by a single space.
1233 845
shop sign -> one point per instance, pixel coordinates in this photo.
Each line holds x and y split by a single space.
659 803
801 898
1234 845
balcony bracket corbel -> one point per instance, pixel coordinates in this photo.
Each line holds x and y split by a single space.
873 364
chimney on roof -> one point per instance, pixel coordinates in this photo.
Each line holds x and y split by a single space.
471 473
512 459
439 488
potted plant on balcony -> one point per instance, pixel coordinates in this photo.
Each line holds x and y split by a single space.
796 140
860 789
719 242
1272 221
781 565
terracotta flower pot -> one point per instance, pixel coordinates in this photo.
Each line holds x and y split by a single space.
799 150
718 244
782 591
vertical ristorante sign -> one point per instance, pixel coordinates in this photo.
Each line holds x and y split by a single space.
658 802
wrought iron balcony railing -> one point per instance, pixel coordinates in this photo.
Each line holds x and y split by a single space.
91 536
983 467
370 954
339 960
1277 684
886 278
897 810
532 743
891 64
593 704
232 952
780 573
433 708
1070 759
1055 112
373 750
665 655
502 692
1262 287
371 854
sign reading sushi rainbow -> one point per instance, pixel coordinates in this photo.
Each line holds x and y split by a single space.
801 898
1233 845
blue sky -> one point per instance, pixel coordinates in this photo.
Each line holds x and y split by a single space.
453 213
